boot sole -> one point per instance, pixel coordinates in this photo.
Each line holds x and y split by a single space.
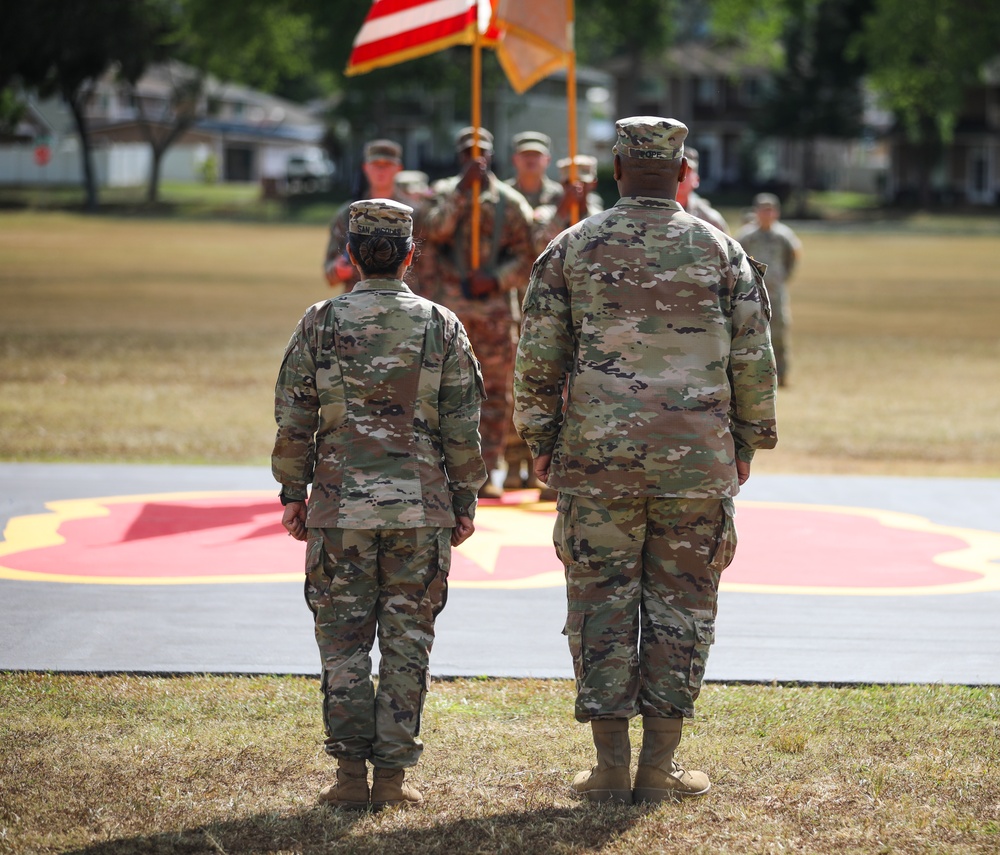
621 796
648 794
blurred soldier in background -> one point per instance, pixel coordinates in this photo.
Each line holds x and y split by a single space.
383 160
485 298
656 325
695 205
531 158
773 243
552 219
377 404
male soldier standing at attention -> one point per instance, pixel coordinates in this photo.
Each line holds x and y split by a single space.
377 404
659 322
485 298
531 158
690 201
775 245
383 160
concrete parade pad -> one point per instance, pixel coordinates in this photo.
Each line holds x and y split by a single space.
186 569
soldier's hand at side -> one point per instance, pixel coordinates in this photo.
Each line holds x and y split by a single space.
540 466
742 471
293 518
462 531
475 170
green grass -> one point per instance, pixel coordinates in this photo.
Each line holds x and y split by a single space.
199 764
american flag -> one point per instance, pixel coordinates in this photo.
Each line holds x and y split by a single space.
399 30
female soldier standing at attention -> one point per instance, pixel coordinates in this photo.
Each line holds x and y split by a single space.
377 405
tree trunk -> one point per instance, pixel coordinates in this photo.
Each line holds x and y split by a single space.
89 179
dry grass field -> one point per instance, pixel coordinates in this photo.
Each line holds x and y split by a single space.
145 340
159 340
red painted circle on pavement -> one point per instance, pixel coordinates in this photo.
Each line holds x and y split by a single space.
200 538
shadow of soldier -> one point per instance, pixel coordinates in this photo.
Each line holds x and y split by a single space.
324 830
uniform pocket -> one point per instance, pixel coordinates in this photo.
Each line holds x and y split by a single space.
573 630
317 583
725 542
704 638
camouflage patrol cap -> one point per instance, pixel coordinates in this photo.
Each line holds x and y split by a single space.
383 150
463 140
380 217
532 141
691 156
586 168
767 200
650 137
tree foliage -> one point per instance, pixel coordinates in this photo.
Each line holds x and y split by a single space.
923 54
61 48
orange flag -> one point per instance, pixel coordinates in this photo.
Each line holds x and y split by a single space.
535 39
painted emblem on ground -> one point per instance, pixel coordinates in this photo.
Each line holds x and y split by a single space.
206 538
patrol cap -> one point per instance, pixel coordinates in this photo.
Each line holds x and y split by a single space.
586 168
766 200
532 141
691 155
380 217
463 140
383 150
650 137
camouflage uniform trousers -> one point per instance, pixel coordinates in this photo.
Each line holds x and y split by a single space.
642 578
494 338
359 582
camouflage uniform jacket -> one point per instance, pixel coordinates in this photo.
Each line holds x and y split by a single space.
660 323
548 194
700 207
377 404
777 247
442 260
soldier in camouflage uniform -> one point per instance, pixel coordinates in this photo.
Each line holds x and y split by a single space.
655 323
377 404
485 298
775 245
690 201
383 161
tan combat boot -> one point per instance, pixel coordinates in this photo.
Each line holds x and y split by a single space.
388 790
658 777
351 789
610 780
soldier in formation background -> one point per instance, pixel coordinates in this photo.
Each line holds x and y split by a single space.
485 297
383 161
377 405
696 205
775 245
655 325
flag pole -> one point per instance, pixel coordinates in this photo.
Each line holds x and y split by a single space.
477 120
571 101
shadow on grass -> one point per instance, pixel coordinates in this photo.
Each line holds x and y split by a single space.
580 828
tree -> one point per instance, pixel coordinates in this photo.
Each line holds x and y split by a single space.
817 90
923 54
256 42
63 48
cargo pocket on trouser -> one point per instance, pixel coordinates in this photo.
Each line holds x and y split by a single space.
725 542
704 638
317 583
573 630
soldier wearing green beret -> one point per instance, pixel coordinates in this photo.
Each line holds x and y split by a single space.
377 404
644 383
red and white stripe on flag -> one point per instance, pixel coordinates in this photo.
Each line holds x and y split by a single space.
399 30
